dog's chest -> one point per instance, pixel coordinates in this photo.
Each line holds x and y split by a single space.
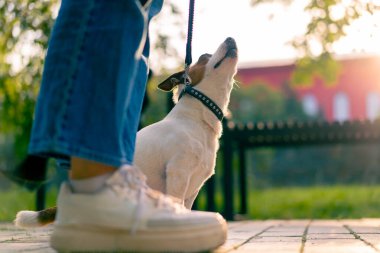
207 157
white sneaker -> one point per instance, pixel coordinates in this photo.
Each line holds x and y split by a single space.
126 215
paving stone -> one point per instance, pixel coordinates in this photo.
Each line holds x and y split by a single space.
373 239
248 229
365 229
282 233
327 229
337 246
230 245
272 247
283 229
329 236
287 229
283 239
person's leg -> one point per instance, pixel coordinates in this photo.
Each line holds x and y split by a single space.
83 169
88 81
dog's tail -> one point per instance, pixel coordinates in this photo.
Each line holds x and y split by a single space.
31 219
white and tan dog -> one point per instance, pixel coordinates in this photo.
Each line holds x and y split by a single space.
178 153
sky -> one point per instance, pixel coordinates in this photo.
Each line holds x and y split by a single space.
262 33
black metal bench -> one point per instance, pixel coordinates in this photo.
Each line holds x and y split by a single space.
241 137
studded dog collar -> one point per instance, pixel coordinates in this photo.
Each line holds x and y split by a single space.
204 99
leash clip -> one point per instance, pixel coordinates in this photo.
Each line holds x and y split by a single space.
186 76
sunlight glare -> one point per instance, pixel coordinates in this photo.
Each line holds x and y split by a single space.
363 36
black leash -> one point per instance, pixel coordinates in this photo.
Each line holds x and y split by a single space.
188 58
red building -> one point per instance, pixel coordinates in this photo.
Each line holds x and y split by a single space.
355 95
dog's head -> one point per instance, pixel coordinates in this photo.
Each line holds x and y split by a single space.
214 71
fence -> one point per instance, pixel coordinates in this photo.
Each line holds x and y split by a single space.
238 138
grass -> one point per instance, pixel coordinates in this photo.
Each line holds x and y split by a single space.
320 202
317 202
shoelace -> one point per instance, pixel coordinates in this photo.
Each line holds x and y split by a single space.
133 179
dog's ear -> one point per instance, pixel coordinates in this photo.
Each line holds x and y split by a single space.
196 74
172 81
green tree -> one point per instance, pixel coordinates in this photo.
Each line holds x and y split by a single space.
324 29
23 39
256 102
261 102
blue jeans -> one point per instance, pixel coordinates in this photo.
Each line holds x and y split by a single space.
94 81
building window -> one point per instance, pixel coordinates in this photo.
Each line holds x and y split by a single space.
310 105
341 107
373 106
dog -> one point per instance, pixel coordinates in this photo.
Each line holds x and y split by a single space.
178 153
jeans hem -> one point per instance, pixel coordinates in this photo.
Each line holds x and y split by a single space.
65 150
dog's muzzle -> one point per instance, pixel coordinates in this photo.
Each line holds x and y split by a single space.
231 51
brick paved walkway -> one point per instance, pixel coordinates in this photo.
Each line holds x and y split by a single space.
300 236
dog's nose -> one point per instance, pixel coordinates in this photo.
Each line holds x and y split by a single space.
230 42
230 39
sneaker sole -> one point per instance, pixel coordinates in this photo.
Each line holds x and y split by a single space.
82 239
